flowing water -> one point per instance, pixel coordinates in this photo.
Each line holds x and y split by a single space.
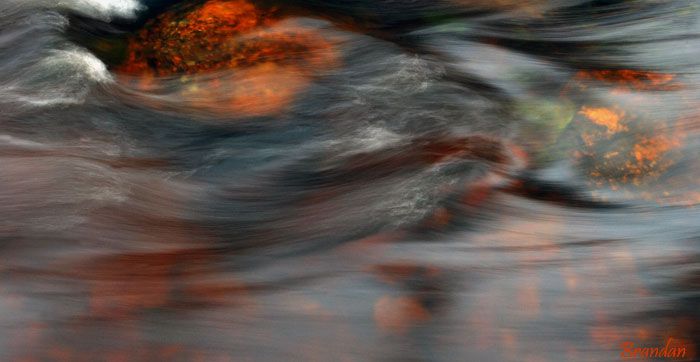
348 180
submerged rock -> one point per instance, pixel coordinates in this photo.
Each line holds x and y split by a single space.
227 56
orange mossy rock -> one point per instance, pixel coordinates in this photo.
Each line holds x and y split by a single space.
231 57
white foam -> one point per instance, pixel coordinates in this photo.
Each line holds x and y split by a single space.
105 9
64 76
374 138
84 62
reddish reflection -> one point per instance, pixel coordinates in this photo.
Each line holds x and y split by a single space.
628 79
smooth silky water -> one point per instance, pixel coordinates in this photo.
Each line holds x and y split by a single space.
348 180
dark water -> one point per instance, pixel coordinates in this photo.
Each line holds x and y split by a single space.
454 180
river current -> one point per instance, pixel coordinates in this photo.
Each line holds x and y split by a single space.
232 180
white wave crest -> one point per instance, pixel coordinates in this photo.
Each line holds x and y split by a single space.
103 9
63 77
80 60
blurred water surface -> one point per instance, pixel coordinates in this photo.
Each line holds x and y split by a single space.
358 180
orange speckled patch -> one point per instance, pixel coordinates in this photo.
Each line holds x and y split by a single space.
606 117
625 153
651 149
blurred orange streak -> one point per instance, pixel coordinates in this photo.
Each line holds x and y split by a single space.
439 219
199 285
477 194
398 314
528 297
128 283
509 343
571 279
643 333
401 272
627 79
483 317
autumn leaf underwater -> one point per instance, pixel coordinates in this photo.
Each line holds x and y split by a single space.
312 180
